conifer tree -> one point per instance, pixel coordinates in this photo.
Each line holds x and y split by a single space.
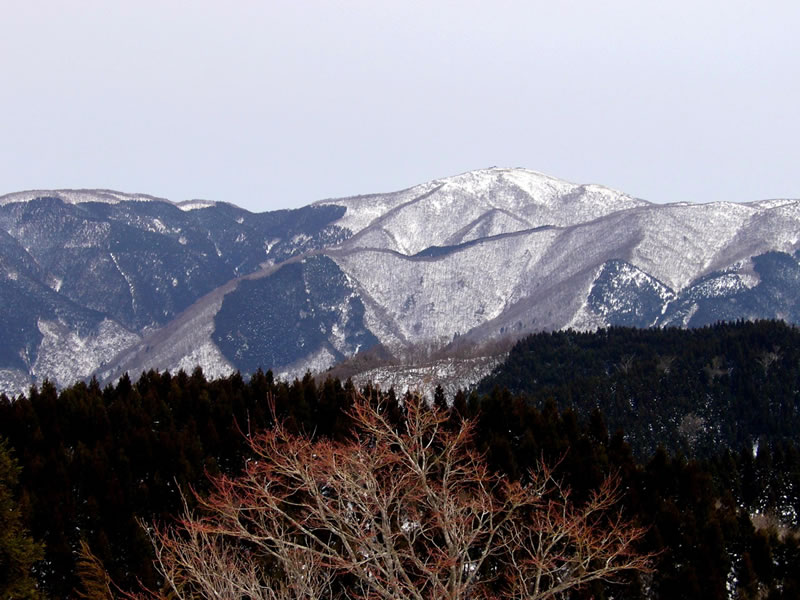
18 551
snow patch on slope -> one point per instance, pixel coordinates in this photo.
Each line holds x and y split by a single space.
64 355
14 382
188 205
451 374
314 363
206 356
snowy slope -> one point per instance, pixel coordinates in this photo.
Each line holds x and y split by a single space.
78 196
445 212
452 374
85 275
102 282
543 277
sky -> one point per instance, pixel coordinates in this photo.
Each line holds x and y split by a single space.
276 104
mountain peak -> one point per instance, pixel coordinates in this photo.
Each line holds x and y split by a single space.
479 203
538 185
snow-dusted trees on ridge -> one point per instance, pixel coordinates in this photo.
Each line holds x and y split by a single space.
409 511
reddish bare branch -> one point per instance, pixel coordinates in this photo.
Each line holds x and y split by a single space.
394 513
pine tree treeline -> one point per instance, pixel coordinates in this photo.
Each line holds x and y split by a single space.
94 460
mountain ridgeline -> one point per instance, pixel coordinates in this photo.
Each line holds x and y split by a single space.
99 283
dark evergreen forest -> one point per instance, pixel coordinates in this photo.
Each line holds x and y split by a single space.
701 426
693 391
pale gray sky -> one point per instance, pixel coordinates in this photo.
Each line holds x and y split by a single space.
275 104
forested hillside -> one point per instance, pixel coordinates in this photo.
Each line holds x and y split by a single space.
695 391
94 460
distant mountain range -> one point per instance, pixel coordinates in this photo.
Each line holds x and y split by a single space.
95 282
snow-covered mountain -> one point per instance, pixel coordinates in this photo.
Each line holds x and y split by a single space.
86 275
100 282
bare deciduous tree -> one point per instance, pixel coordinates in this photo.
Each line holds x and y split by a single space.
396 513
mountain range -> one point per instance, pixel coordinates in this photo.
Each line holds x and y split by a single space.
97 283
